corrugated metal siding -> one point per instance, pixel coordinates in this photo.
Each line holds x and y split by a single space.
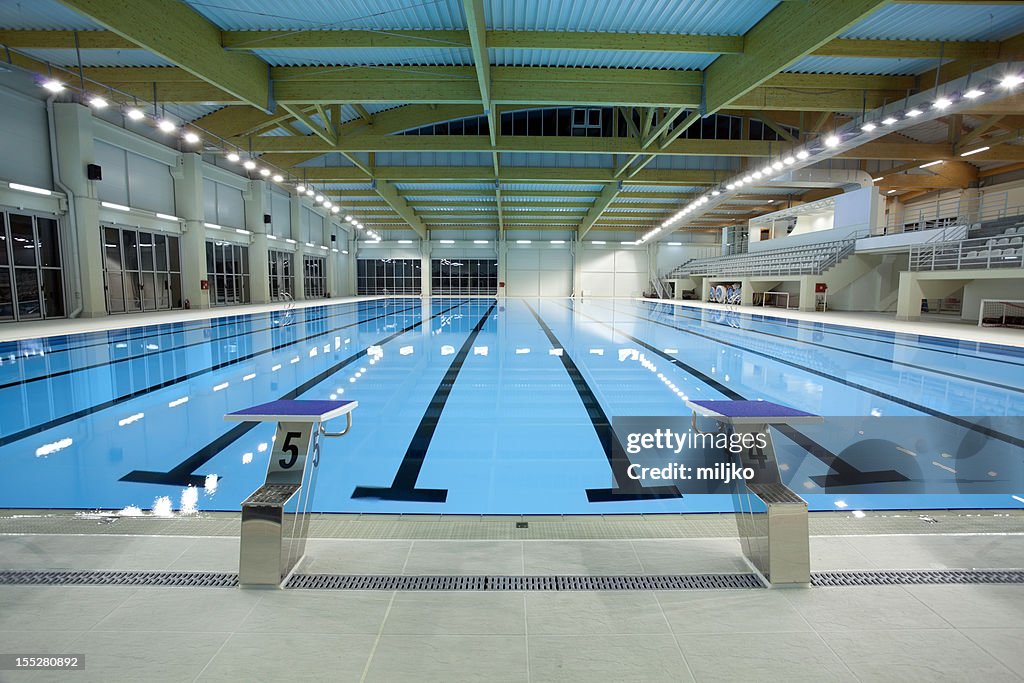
329 159
251 15
556 160
43 15
370 55
543 187
941 22
715 17
863 65
611 59
454 187
692 162
67 57
434 159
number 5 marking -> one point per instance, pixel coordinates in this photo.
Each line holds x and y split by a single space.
291 448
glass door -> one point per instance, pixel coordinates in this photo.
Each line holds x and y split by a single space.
141 270
31 281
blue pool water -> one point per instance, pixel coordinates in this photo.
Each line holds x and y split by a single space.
472 397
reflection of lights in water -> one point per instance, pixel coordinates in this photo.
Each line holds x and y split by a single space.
841 504
312 352
262 447
352 380
275 368
211 483
334 397
406 351
628 354
251 375
51 448
222 386
597 352
130 419
189 498
480 350
177 402
875 412
327 348
294 360
671 350
246 458
162 507
522 352
555 352
447 350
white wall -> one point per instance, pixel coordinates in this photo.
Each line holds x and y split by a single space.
133 179
222 204
279 208
538 270
613 272
977 290
26 143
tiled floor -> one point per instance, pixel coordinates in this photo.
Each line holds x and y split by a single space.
883 633
934 325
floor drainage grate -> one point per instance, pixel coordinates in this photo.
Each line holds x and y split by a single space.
924 576
524 583
99 578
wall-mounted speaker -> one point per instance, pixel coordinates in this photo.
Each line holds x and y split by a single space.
94 172
334 238
266 218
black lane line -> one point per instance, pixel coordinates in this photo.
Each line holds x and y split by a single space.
183 473
154 354
975 380
953 419
882 336
403 487
626 488
70 417
845 474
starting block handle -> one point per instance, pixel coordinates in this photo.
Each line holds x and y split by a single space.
334 435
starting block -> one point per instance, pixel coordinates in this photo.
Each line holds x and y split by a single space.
771 519
274 517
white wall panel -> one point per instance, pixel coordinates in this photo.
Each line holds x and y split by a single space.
280 215
222 204
113 160
150 185
26 142
538 272
613 272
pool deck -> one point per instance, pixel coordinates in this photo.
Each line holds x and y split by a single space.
867 633
933 325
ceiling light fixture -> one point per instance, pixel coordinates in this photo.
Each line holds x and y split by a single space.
975 151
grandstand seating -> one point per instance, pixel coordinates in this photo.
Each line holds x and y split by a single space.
810 260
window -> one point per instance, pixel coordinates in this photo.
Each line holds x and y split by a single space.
315 277
279 271
31 282
388 276
227 270
141 270
464 276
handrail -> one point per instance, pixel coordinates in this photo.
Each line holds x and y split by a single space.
975 253
783 261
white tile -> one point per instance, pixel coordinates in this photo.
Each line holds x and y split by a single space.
588 558
457 613
941 552
290 656
329 556
593 612
730 611
465 557
61 552
762 657
59 608
975 606
320 611
919 655
1002 643
182 609
449 658
114 656
862 607
606 658
691 556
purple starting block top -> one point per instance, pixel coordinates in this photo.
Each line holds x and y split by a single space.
293 411
751 412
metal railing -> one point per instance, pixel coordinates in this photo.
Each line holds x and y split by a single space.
810 260
949 212
982 252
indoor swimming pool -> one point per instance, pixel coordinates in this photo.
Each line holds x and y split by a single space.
494 407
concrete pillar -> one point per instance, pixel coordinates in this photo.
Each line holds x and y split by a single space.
425 268
255 207
188 201
329 261
502 251
353 270
298 267
807 298
746 293
908 302
73 130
